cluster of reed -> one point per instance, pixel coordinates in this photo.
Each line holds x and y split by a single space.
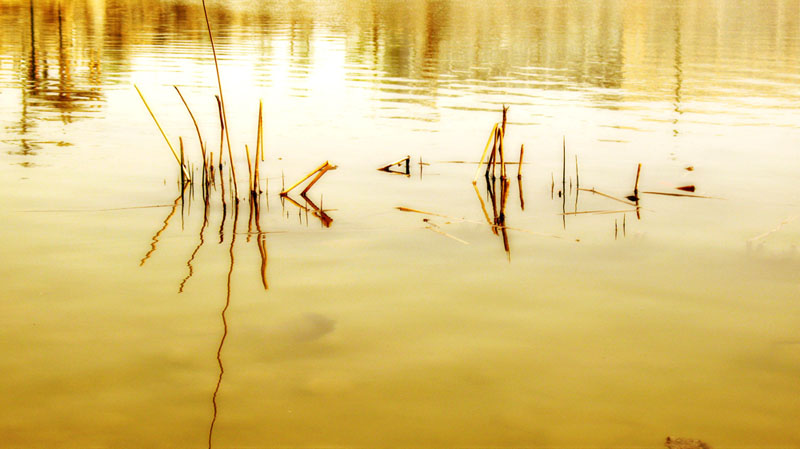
498 199
208 177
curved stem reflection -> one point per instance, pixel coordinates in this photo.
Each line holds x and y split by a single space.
155 238
224 327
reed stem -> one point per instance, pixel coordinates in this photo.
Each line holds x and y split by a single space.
177 158
221 100
196 126
485 150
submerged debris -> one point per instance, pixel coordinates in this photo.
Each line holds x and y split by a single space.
685 443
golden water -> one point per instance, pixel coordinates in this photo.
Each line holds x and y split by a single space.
592 330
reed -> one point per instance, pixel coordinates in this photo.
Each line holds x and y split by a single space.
404 161
211 167
259 146
636 184
180 140
249 170
177 158
485 150
684 195
594 191
598 212
196 127
500 150
321 170
521 155
221 100
316 178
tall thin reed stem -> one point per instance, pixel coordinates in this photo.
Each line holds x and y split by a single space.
221 100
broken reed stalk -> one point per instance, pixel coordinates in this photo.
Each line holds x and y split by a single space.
321 167
483 156
505 111
685 195
221 100
177 158
314 181
577 177
608 196
636 185
521 154
397 162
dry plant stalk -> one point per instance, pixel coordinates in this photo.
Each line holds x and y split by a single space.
406 160
183 163
259 145
485 150
321 169
196 126
684 195
249 170
607 196
177 158
221 100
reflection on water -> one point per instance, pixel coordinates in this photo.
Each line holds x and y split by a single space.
224 325
388 310
59 78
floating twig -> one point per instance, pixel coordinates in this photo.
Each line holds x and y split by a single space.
592 190
772 231
464 220
685 195
599 212
435 228
406 160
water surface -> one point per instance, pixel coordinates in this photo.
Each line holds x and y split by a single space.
134 316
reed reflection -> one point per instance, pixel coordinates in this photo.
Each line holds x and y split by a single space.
224 326
407 52
70 91
157 235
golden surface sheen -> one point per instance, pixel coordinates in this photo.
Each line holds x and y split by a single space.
533 312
